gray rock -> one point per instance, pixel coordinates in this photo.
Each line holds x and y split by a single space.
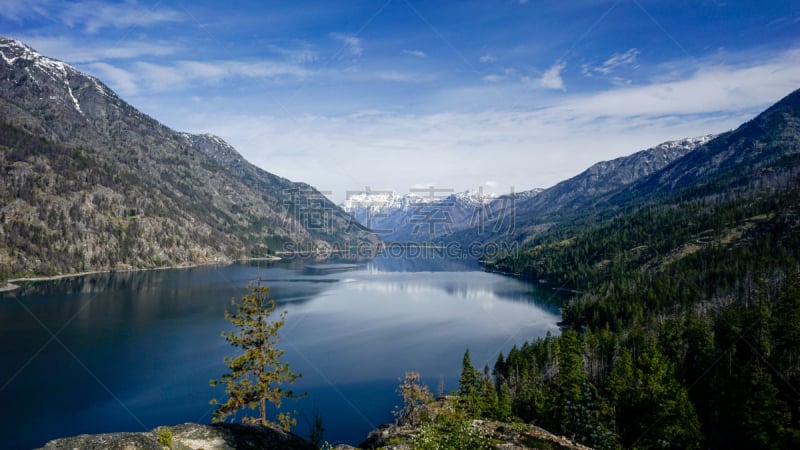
189 436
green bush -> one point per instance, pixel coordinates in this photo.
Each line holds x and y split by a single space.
165 436
450 430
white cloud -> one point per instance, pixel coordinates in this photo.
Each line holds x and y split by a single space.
17 10
551 79
303 53
397 76
417 53
351 42
505 75
77 51
95 15
586 70
92 15
529 148
709 89
121 81
617 60
487 58
153 77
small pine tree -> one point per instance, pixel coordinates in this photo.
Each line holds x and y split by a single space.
504 402
316 430
488 394
256 375
469 386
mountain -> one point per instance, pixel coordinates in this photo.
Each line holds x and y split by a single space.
470 218
91 183
760 160
584 190
687 278
527 213
417 218
762 151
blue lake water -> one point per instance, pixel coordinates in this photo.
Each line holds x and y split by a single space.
131 351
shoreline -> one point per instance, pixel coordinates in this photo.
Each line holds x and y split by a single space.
12 286
8 287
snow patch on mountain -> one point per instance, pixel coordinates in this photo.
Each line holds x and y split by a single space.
384 201
15 53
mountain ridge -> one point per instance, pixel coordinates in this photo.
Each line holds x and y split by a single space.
92 183
472 216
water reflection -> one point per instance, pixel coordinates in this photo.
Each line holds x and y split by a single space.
136 350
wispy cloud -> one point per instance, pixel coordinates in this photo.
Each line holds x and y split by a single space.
399 76
154 77
301 53
122 81
505 75
351 42
487 58
17 10
551 79
617 60
77 51
94 15
417 53
709 89
530 148
91 15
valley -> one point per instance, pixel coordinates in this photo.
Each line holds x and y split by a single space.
650 301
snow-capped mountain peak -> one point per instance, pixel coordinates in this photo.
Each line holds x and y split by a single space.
57 80
386 200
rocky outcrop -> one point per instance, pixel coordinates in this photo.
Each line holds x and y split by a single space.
191 436
504 436
501 435
188 436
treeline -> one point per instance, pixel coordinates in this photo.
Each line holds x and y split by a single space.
686 333
720 377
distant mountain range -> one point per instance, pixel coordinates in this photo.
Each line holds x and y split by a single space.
91 183
474 216
420 216
711 163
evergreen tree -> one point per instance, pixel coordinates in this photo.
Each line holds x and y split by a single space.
786 338
504 403
488 394
469 386
256 375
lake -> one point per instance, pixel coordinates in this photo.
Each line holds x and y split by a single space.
134 350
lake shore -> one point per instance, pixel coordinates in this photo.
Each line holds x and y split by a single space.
8 287
11 284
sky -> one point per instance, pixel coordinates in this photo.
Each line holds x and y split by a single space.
498 95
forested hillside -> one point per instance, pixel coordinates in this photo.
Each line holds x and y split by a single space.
686 330
88 182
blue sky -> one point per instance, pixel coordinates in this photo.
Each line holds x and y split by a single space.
401 94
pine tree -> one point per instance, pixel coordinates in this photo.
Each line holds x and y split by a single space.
469 386
488 394
504 410
256 376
